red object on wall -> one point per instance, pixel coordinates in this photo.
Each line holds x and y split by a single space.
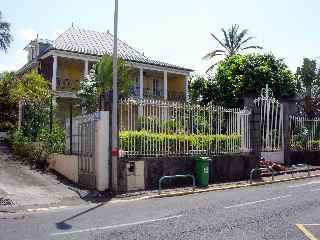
115 152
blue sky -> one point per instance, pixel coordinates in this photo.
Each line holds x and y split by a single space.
175 31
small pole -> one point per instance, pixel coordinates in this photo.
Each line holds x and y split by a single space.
51 115
70 130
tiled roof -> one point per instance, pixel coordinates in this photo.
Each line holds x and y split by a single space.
100 43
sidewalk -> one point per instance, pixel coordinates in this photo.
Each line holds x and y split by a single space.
23 188
215 187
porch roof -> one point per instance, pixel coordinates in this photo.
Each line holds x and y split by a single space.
83 41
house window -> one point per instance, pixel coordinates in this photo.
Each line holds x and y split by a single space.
156 87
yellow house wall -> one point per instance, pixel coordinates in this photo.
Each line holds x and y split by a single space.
69 70
147 82
176 83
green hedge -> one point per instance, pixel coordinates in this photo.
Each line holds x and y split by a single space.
299 146
195 141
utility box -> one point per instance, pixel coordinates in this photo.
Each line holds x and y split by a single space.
135 175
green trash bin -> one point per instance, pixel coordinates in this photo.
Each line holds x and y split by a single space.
202 171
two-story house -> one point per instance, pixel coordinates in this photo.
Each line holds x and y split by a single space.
69 58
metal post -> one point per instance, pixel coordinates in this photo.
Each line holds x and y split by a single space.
51 115
70 130
114 151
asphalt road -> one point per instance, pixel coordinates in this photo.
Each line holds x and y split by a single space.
264 212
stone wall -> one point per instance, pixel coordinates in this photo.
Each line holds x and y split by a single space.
312 158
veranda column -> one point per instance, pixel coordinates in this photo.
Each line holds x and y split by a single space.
54 73
140 108
165 85
85 76
141 84
86 69
186 87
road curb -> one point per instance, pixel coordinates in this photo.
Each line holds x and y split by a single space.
175 194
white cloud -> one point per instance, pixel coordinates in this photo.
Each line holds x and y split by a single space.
19 59
27 34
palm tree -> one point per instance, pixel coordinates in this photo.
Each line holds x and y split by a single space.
5 36
233 43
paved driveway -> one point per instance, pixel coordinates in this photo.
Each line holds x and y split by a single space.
27 187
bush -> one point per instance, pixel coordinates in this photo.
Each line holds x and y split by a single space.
195 141
315 145
55 141
6 126
36 152
19 143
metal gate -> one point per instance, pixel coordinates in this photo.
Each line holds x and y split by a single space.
86 147
271 122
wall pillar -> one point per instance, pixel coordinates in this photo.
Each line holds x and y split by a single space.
54 73
102 154
287 110
255 131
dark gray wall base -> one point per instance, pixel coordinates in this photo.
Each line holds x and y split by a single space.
229 167
312 158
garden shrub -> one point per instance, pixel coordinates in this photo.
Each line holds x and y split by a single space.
55 141
195 141
6 126
36 152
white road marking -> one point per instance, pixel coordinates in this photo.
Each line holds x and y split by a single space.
304 184
116 226
315 190
255 202
45 209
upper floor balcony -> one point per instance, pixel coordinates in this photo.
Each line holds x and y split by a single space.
177 96
155 83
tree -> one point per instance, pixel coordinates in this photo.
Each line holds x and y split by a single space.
32 90
8 109
104 75
100 80
5 36
233 42
308 77
241 75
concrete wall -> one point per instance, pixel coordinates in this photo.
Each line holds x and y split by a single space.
312 158
66 165
230 167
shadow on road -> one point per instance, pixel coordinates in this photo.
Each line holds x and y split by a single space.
65 226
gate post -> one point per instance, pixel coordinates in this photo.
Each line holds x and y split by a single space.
288 109
102 157
255 132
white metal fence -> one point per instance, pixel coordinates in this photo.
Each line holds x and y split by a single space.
271 121
155 127
304 133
